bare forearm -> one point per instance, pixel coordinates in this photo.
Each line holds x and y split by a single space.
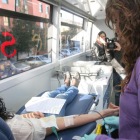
79 120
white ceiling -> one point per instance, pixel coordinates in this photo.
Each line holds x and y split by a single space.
95 8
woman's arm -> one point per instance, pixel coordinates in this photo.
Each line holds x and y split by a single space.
83 119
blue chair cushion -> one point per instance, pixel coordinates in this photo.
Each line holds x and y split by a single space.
80 104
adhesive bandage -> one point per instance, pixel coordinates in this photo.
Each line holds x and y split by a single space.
69 120
49 122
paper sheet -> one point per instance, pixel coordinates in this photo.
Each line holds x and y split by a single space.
45 105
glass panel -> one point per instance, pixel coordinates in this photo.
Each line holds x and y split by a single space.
6 21
7 4
33 7
17 2
30 41
78 21
72 41
5 1
71 18
40 8
47 10
66 17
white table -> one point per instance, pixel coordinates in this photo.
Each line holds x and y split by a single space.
98 85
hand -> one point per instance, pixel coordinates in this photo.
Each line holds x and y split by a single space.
36 114
112 121
89 137
111 112
112 106
100 40
118 46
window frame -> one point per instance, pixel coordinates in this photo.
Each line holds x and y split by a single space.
25 2
5 2
47 10
41 25
17 3
72 25
8 21
23 16
40 8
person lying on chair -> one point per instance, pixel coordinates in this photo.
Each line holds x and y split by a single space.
66 91
34 126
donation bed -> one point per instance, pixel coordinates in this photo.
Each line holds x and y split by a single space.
81 103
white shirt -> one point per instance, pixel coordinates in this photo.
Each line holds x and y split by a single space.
26 128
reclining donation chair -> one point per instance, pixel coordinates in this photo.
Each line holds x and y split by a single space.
80 104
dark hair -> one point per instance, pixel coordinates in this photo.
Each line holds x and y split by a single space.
101 32
126 15
3 113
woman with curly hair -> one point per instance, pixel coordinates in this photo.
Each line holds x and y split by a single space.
125 18
34 126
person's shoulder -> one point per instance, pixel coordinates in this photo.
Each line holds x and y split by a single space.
138 62
137 65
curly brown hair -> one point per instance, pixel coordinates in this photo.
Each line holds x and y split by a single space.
126 15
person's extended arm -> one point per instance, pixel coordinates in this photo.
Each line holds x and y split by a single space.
83 119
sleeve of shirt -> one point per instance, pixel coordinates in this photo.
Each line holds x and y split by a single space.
138 82
95 51
20 129
26 128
